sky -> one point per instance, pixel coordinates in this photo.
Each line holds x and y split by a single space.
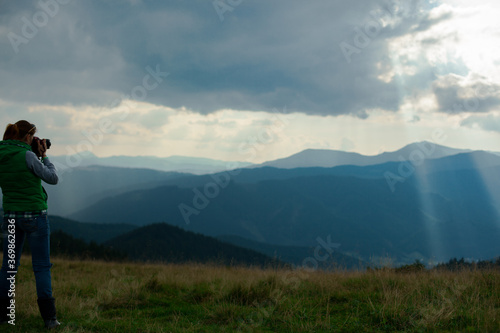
251 80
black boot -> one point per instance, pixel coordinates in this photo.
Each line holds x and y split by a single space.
4 304
48 311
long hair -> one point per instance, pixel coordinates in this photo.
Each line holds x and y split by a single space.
19 130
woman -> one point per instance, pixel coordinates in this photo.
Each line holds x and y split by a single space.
25 217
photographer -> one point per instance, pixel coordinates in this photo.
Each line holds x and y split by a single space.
22 169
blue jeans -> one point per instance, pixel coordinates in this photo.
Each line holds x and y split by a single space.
37 231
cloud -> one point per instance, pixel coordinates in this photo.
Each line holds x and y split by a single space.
488 122
154 119
263 55
458 94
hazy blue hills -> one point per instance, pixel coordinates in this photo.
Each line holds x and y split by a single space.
186 164
439 209
83 186
472 160
330 158
362 215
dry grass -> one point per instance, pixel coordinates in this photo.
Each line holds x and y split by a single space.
94 296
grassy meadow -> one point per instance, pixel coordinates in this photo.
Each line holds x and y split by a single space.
93 296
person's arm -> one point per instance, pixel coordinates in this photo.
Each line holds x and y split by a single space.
45 169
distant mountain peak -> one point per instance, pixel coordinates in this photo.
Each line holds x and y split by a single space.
328 158
175 163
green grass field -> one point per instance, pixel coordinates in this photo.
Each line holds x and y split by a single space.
94 296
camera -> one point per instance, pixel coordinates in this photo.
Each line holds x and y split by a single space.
34 144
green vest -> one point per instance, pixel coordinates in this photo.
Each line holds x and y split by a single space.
22 190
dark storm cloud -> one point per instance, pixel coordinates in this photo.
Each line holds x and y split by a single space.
256 55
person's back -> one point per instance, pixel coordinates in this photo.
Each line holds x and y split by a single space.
17 181
25 217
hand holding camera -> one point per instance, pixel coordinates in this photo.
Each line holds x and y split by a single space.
39 146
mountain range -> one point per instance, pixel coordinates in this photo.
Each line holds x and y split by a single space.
424 201
185 164
330 158
307 158
86 184
362 215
